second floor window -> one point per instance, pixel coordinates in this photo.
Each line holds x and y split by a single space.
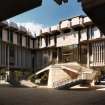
46 40
33 43
28 42
11 37
19 40
41 41
92 32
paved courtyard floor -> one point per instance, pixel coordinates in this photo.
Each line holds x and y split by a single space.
32 96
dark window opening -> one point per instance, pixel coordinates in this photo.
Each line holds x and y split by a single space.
19 39
27 41
12 55
46 40
11 37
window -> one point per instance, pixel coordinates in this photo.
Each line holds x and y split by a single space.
95 32
12 51
28 42
41 41
33 43
11 37
46 40
90 49
92 32
19 40
38 42
12 55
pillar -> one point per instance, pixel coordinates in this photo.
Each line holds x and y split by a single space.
50 78
51 55
7 75
88 55
57 55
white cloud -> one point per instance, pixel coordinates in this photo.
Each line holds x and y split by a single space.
32 27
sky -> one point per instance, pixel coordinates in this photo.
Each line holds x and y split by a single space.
48 14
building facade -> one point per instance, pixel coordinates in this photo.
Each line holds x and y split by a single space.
16 45
72 40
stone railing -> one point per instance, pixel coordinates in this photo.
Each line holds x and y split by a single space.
59 83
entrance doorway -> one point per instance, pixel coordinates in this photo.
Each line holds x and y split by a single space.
83 54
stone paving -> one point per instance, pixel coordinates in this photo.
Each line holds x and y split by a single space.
33 96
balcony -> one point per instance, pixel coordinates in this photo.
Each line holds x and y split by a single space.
67 39
65 25
77 22
55 29
87 21
97 64
3 24
22 29
29 33
46 31
13 26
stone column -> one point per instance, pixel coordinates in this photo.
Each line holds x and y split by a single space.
57 55
50 78
7 75
88 55
51 50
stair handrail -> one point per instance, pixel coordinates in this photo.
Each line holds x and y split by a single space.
87 75
65 81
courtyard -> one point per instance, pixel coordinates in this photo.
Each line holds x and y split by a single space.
33 96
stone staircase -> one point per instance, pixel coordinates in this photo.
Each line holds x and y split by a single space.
67 75
66 84
27 83
84 78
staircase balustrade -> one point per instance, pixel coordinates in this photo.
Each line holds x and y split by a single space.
59 83
83 76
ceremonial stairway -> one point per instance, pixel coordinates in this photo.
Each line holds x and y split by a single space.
66 75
